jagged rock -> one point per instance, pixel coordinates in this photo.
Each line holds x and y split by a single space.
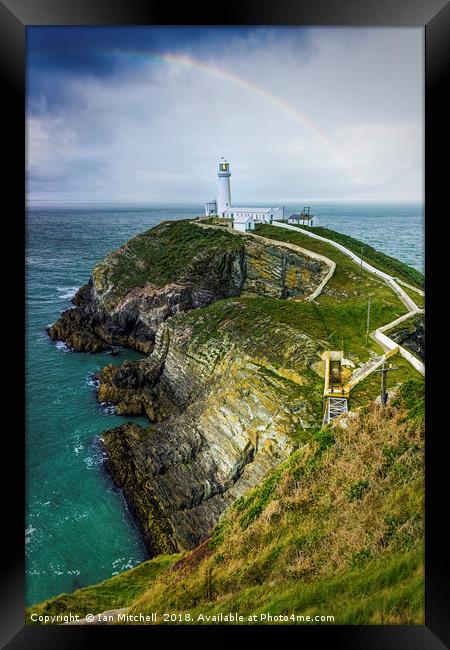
225 401
123 307
224 419
411 335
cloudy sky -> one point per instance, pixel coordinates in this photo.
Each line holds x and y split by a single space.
143 114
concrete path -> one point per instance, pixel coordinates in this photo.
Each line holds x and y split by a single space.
377 335
389 279
410 286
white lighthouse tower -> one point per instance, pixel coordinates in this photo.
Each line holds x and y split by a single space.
224 198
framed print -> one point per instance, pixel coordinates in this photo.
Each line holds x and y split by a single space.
228 221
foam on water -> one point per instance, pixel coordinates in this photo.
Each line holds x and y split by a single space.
61 346
67 292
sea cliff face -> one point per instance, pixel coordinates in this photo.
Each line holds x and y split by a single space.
411 335
226 401
172 268
222 416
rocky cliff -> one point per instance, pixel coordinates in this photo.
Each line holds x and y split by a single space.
229 393
411 335
172 268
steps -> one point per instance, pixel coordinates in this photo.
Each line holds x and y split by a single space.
363 371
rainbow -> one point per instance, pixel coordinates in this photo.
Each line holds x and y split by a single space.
295 114
215 71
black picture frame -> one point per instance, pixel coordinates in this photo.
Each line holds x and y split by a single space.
434 16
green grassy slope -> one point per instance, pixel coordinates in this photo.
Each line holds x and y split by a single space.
336 530
342 306
114 593
169 252
378 260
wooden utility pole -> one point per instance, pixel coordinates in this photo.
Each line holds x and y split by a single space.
384 371
368 322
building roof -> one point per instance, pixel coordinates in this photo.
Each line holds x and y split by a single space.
250 210
242 218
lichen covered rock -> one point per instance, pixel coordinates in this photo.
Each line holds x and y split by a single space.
173 268
229 393
223 417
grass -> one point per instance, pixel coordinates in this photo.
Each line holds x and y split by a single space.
376 258
172 251
114 593
388 590
337 530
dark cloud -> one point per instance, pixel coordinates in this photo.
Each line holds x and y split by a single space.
55 55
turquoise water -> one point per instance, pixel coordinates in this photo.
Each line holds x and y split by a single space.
78 529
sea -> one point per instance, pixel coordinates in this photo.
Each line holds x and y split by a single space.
78 528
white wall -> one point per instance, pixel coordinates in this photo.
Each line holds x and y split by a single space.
239 226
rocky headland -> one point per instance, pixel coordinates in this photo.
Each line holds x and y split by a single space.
229 392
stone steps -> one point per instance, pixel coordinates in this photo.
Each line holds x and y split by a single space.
363 371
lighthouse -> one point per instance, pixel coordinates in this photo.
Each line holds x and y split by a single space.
224 198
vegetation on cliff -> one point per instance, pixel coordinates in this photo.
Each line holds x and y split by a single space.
114 593
233 388
337 529
174 251
379 260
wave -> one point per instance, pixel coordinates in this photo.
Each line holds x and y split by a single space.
66 292
98 455
28 533
63 347
77 448
92 380
108 408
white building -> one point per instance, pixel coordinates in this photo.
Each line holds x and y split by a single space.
244 219
244 222
305 218
224 198
252 215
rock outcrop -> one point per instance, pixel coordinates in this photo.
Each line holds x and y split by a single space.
227 391
411 335
222 418
156 276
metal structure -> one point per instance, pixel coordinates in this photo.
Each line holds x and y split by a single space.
335 392
334 407
384 371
